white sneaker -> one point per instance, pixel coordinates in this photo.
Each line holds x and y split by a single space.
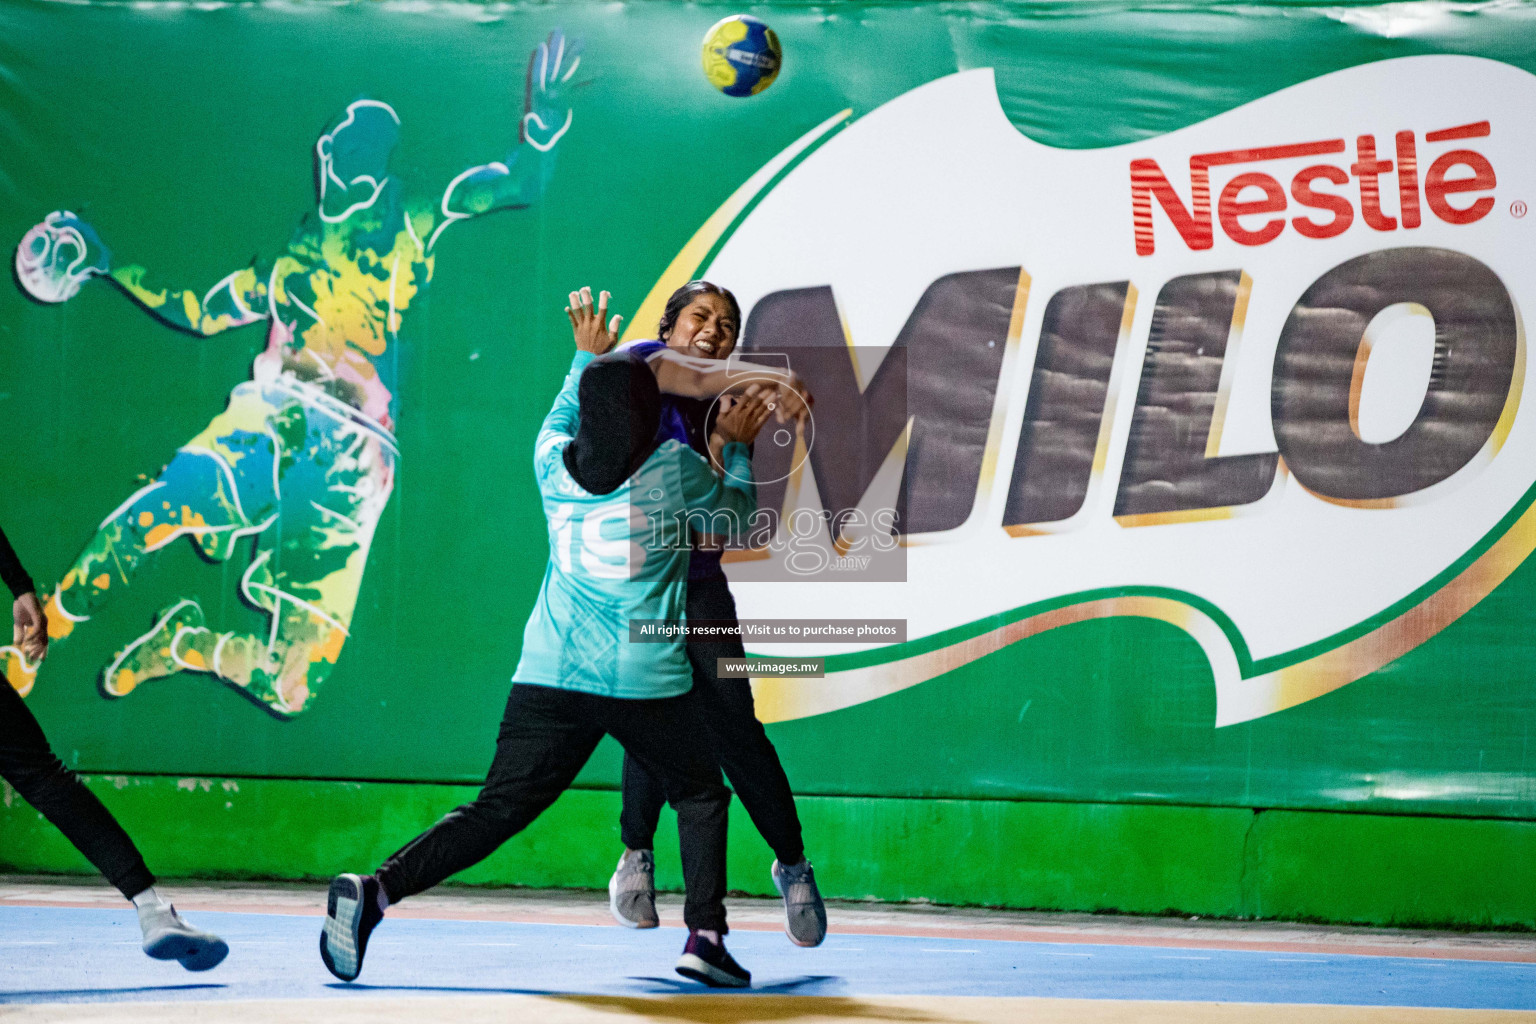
168 937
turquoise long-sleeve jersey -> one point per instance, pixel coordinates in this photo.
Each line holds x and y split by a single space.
621 556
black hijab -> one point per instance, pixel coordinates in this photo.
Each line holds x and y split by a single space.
620 416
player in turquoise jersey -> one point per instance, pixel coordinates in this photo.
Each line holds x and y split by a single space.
616 500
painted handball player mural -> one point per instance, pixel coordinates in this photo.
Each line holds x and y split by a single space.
303 458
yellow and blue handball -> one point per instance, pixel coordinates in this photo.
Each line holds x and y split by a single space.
741 55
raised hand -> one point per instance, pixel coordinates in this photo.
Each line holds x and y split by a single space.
546 115
58 255
594 331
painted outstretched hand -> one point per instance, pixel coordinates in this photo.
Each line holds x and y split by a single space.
546 114
594 331
55 257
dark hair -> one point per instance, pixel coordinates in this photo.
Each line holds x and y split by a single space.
620 413
686 294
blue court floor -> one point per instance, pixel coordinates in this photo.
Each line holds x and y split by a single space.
54 954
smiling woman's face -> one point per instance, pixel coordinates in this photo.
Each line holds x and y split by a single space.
706 327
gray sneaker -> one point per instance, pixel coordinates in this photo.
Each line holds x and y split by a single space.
805 916
632 890
168 937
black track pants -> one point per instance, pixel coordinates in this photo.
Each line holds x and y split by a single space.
28 764
547 734
737 737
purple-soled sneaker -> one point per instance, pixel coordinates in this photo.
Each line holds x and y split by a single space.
708 962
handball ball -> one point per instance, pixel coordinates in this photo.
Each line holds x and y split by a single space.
741 55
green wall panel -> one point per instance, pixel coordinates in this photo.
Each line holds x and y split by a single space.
1133 858
1404 871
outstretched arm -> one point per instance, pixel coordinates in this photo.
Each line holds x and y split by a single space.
63 252
521 178
236 300
564 416
691 376
560 422
694 377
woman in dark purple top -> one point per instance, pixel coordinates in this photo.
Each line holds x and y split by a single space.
702 321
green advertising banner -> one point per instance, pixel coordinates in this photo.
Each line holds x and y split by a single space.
1212 484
